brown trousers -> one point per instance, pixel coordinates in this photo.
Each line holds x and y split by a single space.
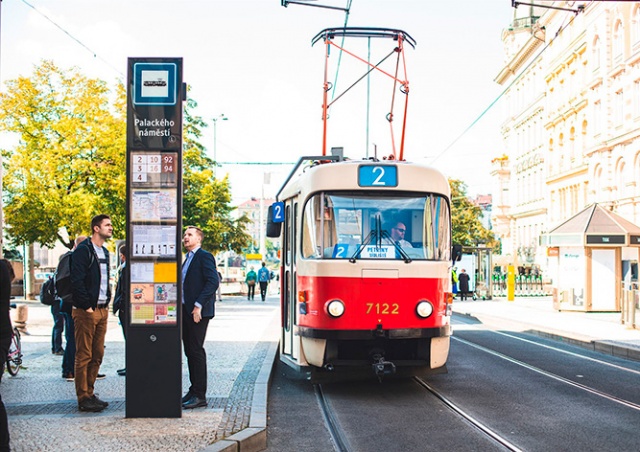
90 329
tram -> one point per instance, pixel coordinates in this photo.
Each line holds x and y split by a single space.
352 297
366 259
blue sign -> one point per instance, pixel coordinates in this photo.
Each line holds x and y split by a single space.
340 251
155 84
378 176
277 208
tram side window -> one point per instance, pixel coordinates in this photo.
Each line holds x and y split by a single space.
319 228
437 223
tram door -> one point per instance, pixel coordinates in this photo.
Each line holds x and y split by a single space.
289 278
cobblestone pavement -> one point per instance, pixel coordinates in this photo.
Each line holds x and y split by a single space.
42 407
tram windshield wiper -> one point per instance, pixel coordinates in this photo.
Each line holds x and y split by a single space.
397 246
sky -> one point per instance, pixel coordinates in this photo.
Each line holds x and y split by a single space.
252 61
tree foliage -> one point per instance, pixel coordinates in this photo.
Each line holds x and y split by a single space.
468 229
68 164
206 200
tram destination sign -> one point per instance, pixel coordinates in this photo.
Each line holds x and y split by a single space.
378 176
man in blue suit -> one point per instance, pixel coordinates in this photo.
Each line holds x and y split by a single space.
199 284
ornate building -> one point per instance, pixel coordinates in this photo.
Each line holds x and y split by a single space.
572 119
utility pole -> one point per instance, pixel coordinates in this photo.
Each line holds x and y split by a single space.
215 140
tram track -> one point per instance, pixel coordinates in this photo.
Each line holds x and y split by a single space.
467 417
552 375
333 425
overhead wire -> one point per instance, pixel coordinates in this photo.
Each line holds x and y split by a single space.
503 92
95 54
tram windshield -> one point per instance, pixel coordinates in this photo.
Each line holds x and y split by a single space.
375 225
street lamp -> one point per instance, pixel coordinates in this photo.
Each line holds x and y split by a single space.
215 140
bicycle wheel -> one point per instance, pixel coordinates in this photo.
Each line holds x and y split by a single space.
14 357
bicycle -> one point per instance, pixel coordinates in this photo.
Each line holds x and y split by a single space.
14 356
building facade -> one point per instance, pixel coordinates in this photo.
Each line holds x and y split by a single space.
572 119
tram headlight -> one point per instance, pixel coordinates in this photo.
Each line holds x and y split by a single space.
335 308
424 309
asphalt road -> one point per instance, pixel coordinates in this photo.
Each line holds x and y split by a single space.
537 394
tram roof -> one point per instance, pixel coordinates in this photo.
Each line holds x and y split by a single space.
343 175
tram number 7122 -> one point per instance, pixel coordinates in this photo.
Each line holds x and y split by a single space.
383 308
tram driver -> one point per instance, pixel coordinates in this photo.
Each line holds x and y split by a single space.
398 232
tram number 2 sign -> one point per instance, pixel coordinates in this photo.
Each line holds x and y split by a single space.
378 176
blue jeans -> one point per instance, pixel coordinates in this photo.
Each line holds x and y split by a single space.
69 358
58 327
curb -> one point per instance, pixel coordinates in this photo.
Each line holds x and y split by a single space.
618 349
253 438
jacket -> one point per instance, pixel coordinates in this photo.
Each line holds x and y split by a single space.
85 276
201 283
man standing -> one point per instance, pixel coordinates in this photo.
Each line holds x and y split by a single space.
91 296
66 304
263 279
199 284
121 299
6 276
463 284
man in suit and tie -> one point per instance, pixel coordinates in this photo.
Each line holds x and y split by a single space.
199 284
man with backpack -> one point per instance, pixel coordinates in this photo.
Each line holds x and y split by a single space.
264 276
48 298
65 301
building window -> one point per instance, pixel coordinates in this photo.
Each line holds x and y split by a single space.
636 97
635 23
618 107
618 43
597 117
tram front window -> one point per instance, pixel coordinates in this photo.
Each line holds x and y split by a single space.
375 225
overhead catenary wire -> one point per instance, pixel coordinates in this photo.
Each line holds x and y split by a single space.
82 44
503 92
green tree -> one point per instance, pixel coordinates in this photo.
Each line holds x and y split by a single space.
468 230
206 199
68 163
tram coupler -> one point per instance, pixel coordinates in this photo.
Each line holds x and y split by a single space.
382 367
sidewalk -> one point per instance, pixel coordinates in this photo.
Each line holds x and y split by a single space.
241 347
601 331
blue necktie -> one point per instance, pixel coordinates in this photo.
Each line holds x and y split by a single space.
185 267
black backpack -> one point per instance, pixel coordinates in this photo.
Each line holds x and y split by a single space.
63 278
48 292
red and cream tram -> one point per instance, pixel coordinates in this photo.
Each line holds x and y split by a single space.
353 297
366 252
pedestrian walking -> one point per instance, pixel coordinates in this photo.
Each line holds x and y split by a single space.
251 283
199 285
263 278
91 296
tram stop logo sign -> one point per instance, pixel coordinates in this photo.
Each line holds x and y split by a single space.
154 84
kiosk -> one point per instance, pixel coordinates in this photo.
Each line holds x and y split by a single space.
589 250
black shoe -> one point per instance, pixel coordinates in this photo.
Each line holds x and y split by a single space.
194 402
188 396
68 376
59 352
100 402
101 377
122 372
90 405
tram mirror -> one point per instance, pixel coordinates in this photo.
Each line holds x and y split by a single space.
456 253
274 223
